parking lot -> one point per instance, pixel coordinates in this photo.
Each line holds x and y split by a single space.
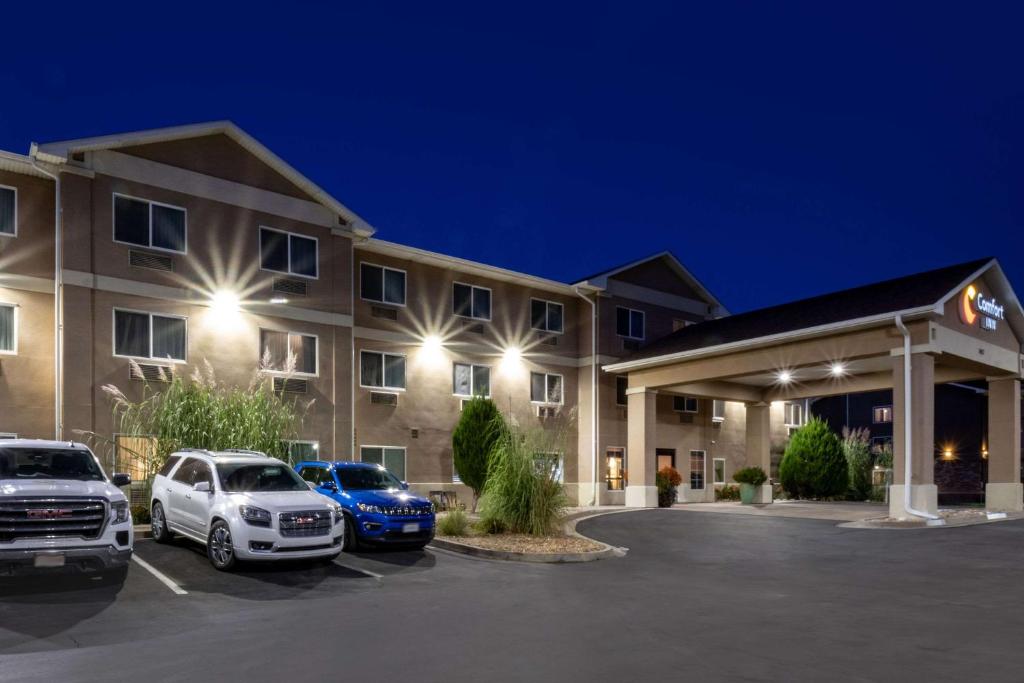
700 596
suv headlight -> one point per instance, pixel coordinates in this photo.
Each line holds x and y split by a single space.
254 515
337 513
119 512
363 507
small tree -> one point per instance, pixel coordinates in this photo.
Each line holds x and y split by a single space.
813 465
857 450
479 428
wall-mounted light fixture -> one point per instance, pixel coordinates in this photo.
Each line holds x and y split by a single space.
837 369
784 376
224 302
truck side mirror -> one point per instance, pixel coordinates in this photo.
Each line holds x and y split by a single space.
121 479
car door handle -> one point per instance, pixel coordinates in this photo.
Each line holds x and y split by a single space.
168 490
188 496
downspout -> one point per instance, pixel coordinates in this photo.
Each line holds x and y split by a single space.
907 436
58 307
593 396
352 349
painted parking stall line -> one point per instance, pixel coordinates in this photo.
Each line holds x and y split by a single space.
364 572
160 576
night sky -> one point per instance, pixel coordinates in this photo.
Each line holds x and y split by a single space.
778 151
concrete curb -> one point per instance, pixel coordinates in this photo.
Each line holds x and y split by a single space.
877 523
143 531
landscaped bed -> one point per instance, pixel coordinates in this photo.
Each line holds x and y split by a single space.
523 543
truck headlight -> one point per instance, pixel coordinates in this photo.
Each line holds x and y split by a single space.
119 512
254 515
364 507
337 514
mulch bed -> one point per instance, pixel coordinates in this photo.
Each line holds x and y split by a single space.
523 543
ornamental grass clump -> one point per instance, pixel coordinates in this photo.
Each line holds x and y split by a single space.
859 462
454 523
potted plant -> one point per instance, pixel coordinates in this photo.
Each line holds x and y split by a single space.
667 479
749 479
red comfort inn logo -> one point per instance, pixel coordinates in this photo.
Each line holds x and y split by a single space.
974 306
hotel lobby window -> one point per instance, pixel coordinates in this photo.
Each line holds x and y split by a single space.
881 415
697 470
616 472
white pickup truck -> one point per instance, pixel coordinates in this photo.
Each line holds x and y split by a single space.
59 510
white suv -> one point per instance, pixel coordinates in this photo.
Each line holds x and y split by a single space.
59 510
243 505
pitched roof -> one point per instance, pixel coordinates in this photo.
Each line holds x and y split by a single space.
903 294
599 279
59 152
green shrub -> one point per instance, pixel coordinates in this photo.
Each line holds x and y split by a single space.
479 428
813 465
454 523
667 479
727 492
754 476
140 515
522 493
859 461
883 455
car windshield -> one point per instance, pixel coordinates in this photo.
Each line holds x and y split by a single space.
49 463
367 479
244 477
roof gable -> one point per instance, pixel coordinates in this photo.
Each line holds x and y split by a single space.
661 271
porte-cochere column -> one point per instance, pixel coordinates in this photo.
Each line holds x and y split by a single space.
923 492
641 429
759 445
1004 490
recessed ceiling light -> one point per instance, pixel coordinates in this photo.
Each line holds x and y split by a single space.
785 376
837 369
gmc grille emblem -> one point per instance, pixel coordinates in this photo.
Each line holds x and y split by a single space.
48 513
305 520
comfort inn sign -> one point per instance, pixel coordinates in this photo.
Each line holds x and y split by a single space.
975 307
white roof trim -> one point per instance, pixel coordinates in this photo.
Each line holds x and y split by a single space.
1016 319
464 265
601 280
19 163
59 152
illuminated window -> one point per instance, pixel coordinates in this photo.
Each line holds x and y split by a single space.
469 301
280 349
794 414
386 285
718 469
685 404
697 470
621 384
471 380
545 388
718 411
381 370
881 415
149 224
616 469
629 323
8 211
546 315
288 253
150 336
8 329
392 457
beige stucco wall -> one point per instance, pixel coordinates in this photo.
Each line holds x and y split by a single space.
26 378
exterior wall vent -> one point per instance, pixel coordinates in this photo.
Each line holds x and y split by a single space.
383 398
150 372
291 385
547 411
414 433
284 285
143 259
384 312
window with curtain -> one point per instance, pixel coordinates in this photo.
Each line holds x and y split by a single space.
616 468
546 315
278 348
149 224
719 470
288 252
392 458
8 211
150 336
471 380
471 302
545 388
8 334
384 285
381 370
696 470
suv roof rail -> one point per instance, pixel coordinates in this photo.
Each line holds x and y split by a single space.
207 451
244 451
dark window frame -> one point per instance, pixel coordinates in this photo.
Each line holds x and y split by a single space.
631 332
384 386
547 315
473 289
383 284
291 272
150 204
151 316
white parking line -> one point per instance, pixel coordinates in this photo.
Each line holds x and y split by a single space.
161 577
367 572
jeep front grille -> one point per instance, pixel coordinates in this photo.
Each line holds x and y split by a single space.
406 511
305 523
52 518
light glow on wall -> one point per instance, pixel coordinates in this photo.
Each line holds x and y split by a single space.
225 302
511 360
784 376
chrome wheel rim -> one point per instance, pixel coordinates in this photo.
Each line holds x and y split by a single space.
220 545
157 521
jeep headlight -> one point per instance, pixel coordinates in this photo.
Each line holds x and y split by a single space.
119 512
337 514
364 507
254 515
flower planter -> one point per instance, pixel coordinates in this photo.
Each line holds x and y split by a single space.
747 493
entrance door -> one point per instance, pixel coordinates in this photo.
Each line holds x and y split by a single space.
666 458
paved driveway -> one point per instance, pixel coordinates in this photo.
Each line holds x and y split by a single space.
702 597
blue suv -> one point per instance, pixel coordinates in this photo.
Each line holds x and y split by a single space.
378 507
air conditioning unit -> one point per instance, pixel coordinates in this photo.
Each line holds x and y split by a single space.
384 312
291 385
549 339
546 412
150 372
288 286
143 259
383 398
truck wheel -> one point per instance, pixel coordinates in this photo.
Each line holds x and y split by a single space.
219 548
351 543
158 524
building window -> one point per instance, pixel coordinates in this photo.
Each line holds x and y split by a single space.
880 443
616 472
288 352
718 411
299 451
149 224
794 414
545 388
685 404
288 253
150 336
391 457
881 415
550 465
547 315
382 370
8 211
629 323
718 469
621 384
8 329
471 302
386 285
471 380
696 470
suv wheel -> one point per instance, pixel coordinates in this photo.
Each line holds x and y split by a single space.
219 549
158 524
351 540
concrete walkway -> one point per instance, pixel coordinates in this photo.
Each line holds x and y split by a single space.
802 509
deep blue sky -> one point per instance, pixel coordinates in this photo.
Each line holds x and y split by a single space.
778 151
